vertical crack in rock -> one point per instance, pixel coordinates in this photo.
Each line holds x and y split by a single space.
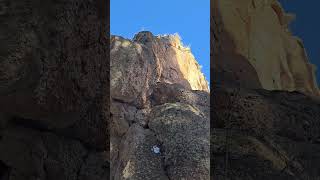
150 74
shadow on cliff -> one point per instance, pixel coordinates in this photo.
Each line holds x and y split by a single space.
228 68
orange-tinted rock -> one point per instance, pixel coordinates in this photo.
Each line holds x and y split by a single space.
147 59
158 96
258 31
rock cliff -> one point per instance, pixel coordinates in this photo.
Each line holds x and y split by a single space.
56 118
54 95
159 98
152 59
265 121
260 134
255 34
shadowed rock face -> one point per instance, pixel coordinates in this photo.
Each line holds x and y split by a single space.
265 121
45 67
264 134
53 90
177 121
159 97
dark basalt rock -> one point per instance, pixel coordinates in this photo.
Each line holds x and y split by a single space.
54 95
260 134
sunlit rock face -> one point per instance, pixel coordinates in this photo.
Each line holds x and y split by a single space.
147 59
159 98
258 32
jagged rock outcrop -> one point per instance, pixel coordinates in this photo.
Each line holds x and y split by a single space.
154 59
159 97
54 95
265 121
254 34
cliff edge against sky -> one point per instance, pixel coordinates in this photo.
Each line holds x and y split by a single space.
265 115
256 35
57 113
159 98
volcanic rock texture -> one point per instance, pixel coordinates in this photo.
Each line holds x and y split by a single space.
265 121
54 95
55 98
159 97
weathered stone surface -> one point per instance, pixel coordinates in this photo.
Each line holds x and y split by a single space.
54 95
250 157
139 63
265 121
152 74
137 161
171 93
290 114
183 132
42 155
261 134
51 67
255 34
96 167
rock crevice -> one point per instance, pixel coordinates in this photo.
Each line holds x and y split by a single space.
169 109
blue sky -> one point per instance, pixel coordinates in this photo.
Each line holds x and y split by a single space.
306 26
189 18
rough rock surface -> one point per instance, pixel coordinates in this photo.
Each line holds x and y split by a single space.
255 35
265 121
260 134
152 59
159 97
54 90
